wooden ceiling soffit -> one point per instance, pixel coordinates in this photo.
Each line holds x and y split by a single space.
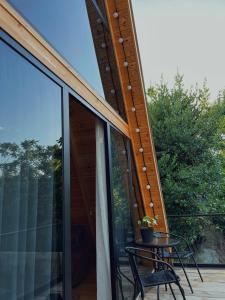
12 23
121 24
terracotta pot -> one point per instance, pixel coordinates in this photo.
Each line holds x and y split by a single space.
146 234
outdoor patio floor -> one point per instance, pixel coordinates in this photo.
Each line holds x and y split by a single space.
213 286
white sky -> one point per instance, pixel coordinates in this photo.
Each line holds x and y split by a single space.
182 35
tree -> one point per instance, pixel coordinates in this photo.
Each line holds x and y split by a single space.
189 140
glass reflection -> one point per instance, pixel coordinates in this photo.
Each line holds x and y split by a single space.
77 31
125 211
65 24
30 181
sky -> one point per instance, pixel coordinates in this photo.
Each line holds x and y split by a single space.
182 36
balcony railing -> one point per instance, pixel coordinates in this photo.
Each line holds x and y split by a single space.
205 233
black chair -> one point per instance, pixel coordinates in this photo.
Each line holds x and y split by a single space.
162 273
179 255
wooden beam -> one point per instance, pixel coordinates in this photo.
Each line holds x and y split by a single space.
123 27
23 33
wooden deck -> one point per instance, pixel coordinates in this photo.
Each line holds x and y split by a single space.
213 286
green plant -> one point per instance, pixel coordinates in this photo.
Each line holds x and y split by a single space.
189 137
147 221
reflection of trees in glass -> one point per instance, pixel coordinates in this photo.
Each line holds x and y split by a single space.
28 171
31 215
121 195
189 139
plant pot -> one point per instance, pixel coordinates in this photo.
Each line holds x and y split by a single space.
146 234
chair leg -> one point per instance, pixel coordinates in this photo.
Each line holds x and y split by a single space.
185 273
200 275
174 297
135 292
181 290
158 292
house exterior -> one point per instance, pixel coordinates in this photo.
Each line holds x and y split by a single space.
77 161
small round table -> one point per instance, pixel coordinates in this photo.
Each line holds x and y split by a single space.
159 244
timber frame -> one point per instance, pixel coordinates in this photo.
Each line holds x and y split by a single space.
121 26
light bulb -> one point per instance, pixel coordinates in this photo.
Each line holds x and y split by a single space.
120 40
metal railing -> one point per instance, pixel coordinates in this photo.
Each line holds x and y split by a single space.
205 233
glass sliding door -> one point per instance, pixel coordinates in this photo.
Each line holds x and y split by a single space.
31 204
90 251
126 210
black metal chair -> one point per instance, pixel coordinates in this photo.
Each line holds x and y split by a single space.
179 255
162 273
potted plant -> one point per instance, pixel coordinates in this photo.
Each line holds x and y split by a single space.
146 226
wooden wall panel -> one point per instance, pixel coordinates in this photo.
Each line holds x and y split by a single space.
83 166
123 27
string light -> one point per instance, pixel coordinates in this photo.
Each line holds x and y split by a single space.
133 109
113 91
115 14
120 40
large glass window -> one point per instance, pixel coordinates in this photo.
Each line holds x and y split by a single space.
30 181
126 210
78 32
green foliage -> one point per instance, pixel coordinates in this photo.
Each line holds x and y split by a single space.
189 136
